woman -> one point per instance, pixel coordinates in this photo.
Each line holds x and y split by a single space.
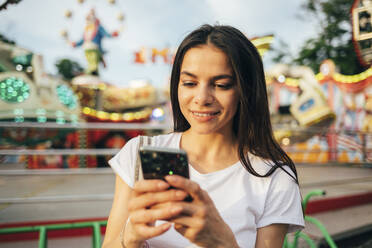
244 187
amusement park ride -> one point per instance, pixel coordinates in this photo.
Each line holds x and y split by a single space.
28 94
327 116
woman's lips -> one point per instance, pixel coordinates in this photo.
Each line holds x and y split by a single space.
205 115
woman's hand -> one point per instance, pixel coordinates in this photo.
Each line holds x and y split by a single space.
147 193
199 220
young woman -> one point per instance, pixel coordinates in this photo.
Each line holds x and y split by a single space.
244 187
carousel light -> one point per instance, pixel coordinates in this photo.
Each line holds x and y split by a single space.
64 33
41 119
19 67
29 69
102 115
120 16
128 116
19 119
86 110
66 96
286 141
324 68
115 116
281 79
138 115
60 120
157 114
93 112
68 13
14 90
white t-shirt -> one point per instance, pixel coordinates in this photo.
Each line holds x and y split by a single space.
244 201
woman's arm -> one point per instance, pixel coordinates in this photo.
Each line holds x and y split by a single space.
271 236
137 203
118 214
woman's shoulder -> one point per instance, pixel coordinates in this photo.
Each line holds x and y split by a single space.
263 166
166 140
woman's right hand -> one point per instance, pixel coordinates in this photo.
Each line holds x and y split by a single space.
142 217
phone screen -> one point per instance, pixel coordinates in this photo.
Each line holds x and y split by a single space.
160 162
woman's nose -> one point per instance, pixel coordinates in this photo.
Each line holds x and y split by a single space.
204 96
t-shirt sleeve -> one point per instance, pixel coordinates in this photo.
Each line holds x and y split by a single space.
283 202
124 162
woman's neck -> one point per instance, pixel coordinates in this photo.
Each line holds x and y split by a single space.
210 152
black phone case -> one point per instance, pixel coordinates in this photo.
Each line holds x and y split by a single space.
157 163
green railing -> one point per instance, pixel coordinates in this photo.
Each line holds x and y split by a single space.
312 220
43 229
96 226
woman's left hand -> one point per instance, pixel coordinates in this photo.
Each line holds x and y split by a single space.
199 220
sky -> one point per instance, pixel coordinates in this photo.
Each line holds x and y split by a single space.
36 25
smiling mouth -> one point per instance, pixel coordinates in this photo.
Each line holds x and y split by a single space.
205 114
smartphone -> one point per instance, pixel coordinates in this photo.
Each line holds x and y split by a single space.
158 162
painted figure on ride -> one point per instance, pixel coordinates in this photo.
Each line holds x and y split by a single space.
92 42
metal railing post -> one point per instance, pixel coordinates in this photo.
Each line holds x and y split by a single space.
323 230
43 239
96 235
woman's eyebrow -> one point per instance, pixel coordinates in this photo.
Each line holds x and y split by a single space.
188 74
222 76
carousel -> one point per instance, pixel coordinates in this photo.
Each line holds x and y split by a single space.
29 95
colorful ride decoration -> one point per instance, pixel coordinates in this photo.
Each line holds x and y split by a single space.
348 138
262 43
166 54
310 106
361 12
28 93
104 102
91 40
145 54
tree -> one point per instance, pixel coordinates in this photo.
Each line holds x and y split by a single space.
5 4
333 41
6 40
68 68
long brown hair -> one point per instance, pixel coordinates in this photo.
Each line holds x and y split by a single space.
252 125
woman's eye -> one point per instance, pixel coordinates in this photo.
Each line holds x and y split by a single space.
188 83
225 86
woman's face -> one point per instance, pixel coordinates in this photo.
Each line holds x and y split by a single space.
207 91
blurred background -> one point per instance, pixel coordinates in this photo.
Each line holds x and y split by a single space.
79 78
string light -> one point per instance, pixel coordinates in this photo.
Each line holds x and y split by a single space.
14 90
126 117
